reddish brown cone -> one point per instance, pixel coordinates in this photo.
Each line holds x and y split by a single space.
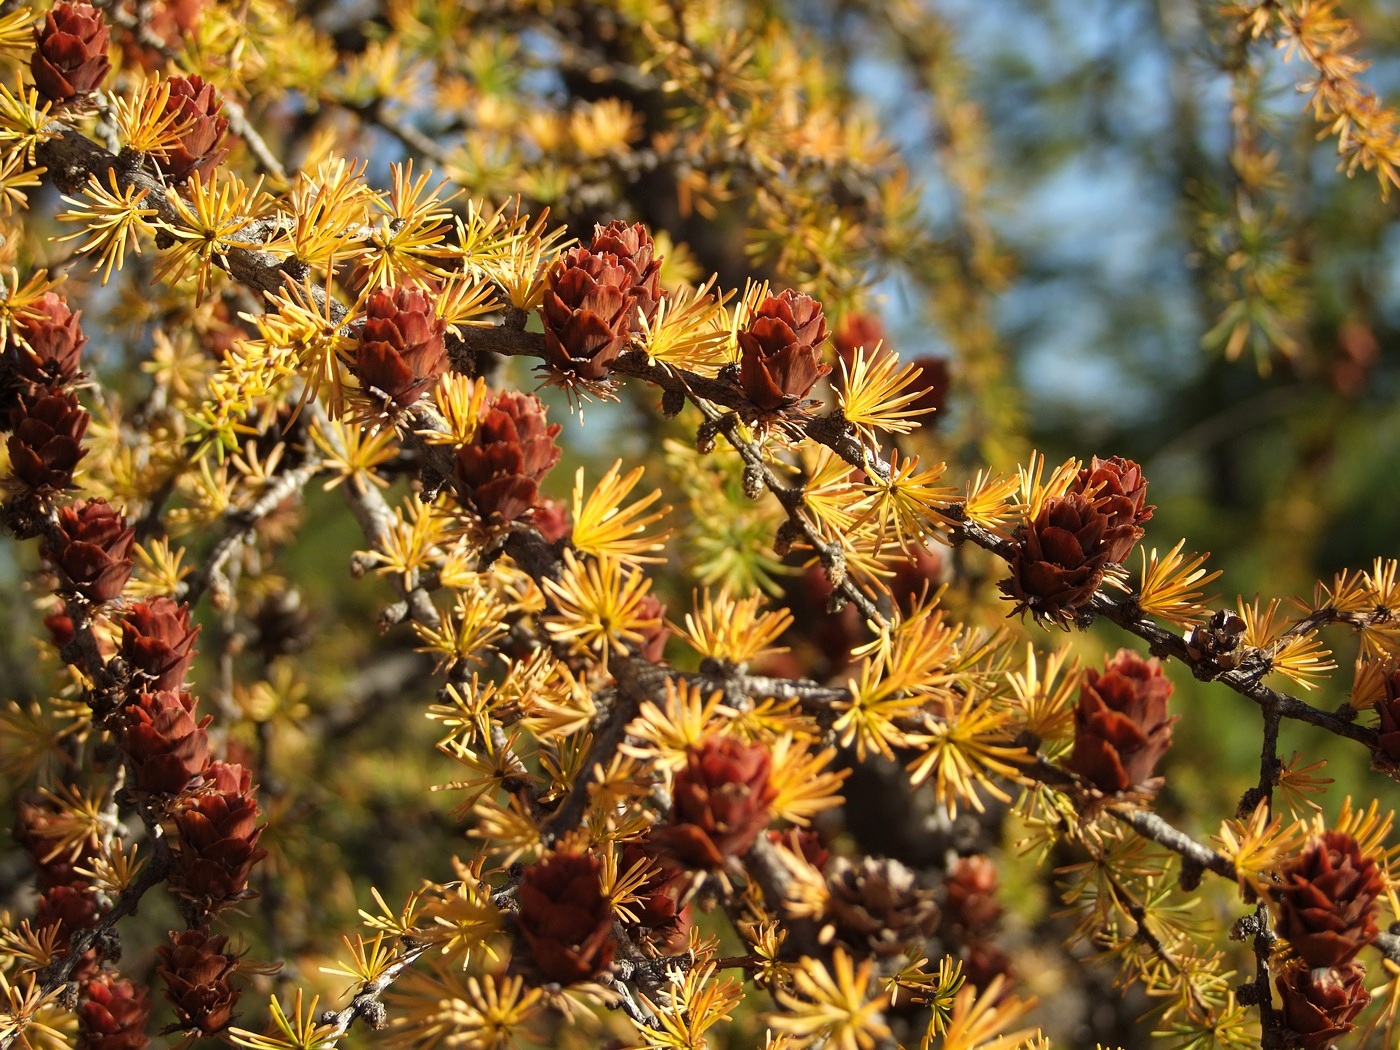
402 352
1388 708
1119 490
219 831
70 52
660 917
1121 727
587 312
780 359
197 105
198 971
112 1015
1318 1005
499 471
720 802
1327 901
46 442
166 747
565 919
43 353
1059 558
158 642
94 551
71 908
636 254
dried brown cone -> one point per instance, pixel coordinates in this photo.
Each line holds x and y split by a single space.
158 642
1319 1004
112 1015
636 253
1121 726
1117 487
1059 558
165 746
402 351
587 311
780 359
93 549
1327 900
720 802
877 906
196 106
43 353
565 919
198 971
218 831
70 52
499 470
46 443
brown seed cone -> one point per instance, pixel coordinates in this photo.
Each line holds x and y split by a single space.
878 907
720 802
565 919
635 253
1059 558
1318 1004
43 354
1117 487
166 747
112 1015
71 908
198 971
70 52
660 917
1326 904
1388 709
970 905
402 350
46 442
779 357
41 828
587 312
499 470
1121 727
196 103
218 830
95 555
158 642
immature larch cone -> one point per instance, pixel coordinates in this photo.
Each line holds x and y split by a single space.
565 919
720 802
198 972
587 311
1327 900
43 353
158 642
402 350
200 148
218 831
112 1014
70 52
1121 727
166 746
1388 709
1119 490
1059 558
94 555
499 470
1318 1005
46 442
636 254
780 360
